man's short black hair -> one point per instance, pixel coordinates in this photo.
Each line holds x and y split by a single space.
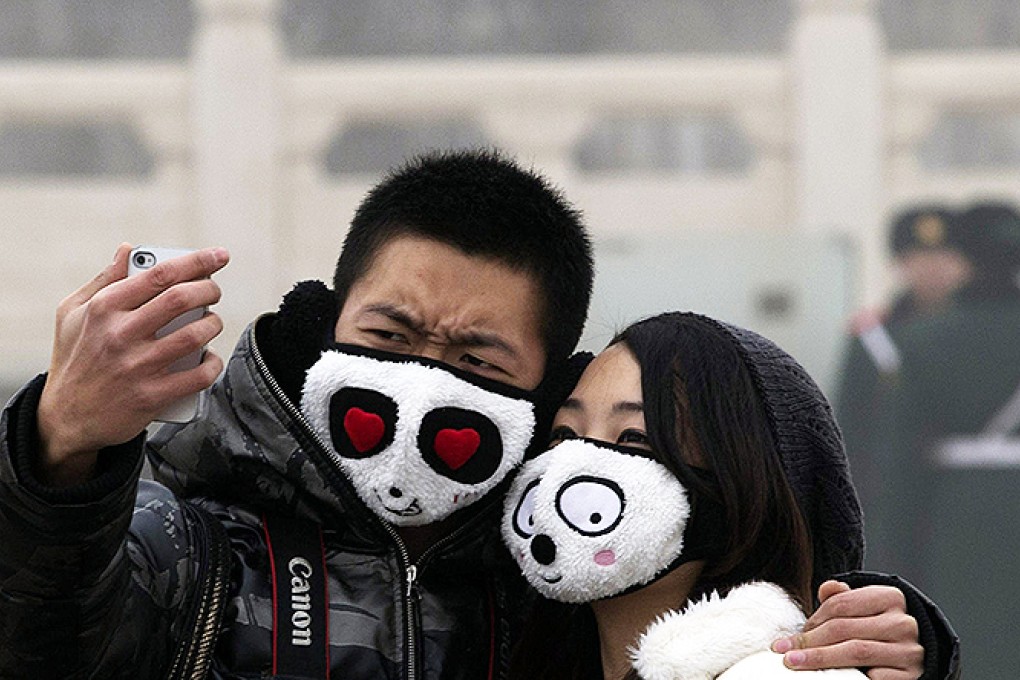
484 204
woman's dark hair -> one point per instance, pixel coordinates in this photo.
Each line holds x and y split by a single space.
701 407
484 204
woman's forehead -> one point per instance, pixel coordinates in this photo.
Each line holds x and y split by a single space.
613 374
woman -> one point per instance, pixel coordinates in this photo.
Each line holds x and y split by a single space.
671 479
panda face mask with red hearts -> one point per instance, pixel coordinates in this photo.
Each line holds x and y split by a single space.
588 520
417 439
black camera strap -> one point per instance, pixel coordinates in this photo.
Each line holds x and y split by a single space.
297 557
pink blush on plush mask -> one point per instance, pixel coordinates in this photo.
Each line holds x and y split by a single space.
605 558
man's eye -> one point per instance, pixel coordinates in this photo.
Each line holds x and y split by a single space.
485 368
561 433
472 360
633 437
388 336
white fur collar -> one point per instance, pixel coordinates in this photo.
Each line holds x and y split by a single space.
726 638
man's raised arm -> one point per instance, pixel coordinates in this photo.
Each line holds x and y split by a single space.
108 374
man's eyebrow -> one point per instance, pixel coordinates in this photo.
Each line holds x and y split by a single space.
394 313
467 337
483 339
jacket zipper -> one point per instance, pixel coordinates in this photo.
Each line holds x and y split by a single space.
412 595
192 662
412 570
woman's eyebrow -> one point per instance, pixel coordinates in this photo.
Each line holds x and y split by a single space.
572 404
628 407
575 404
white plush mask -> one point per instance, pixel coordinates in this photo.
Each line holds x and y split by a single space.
417 440
585 522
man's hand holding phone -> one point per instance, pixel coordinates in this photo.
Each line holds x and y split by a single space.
111 370
142 259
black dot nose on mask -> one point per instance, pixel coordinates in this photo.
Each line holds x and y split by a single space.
543 549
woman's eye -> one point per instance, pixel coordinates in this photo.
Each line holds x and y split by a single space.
633 437
561 433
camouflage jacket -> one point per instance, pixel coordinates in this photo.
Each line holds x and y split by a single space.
102 581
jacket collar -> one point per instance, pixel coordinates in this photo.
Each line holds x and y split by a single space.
253 447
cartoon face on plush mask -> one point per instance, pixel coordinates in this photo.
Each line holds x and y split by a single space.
418 440
586 521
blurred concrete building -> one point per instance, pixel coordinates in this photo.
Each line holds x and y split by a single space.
746 154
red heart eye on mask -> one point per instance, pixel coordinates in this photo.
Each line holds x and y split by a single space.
364 429
455 447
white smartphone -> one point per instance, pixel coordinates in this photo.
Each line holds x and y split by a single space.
186 409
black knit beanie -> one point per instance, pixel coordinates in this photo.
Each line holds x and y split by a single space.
811 449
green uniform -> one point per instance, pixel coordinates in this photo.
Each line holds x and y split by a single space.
870 368
951 523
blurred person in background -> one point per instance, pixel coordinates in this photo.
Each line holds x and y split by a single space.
930 267
949 454
929 262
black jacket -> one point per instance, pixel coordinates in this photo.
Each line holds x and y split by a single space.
69 580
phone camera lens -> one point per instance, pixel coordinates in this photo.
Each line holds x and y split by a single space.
144 259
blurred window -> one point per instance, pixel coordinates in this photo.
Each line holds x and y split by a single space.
941 25
324 28
95 29
688 144
72 149
972 141
372 147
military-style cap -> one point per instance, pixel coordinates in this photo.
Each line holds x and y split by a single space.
922 228
989 235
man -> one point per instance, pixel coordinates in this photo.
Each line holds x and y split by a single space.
925 244
951 455
463 262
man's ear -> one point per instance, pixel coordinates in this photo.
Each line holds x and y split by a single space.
297 334
559 382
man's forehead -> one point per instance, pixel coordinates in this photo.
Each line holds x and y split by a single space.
448 297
